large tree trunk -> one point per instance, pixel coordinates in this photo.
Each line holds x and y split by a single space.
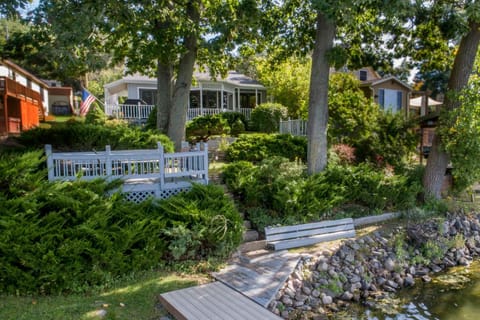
181 90
318 104
462 67
164 95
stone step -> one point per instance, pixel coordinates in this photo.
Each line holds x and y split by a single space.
247 224
250 235
252 246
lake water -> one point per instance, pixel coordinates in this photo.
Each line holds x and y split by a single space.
453 295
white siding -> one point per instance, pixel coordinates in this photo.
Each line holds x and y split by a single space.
3 71
35 87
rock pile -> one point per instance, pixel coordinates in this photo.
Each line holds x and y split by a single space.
375 264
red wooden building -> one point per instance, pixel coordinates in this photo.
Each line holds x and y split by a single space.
21 108
23 99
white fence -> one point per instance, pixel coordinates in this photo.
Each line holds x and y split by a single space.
294 127
139 113
145 172
130 112
197 112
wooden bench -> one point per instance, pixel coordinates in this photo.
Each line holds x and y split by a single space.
279 238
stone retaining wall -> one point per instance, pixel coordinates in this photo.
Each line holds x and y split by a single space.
369 267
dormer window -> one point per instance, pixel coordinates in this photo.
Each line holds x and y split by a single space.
363 75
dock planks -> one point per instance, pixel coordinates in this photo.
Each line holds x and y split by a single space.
213 301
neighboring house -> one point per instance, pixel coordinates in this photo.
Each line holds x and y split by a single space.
235 92
23 99
390 93
428 111
60 100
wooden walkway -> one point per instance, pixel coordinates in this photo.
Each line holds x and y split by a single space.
213 301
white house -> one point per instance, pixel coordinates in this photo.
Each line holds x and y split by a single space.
235 92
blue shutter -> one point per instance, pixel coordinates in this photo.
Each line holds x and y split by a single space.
381 98
399 100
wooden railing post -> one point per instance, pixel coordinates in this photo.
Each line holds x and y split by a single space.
48 152
108 162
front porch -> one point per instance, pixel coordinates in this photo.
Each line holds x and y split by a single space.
140 113
235 93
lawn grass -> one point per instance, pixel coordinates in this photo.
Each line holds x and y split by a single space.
135 298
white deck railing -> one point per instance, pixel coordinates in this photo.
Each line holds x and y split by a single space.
197 112
140 113
294 127
145 172
129 112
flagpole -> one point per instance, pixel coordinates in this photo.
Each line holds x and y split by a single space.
96 99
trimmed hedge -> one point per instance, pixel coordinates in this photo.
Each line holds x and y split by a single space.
79 136
259 146
202 128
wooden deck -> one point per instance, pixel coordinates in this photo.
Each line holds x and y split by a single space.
213 301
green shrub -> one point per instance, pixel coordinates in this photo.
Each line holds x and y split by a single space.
261 218
321 193
202 223
95 116
237 128
68 236
21 173
78 136
393 142
279 188
237 176
151 123
277 184
259 146
266 117
202 128
274 184
236 121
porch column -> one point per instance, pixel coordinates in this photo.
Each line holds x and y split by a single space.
256 97
239 102
201 98
221 98
234 99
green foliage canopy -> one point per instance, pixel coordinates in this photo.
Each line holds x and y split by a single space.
266 117
352 117
287 82
460 131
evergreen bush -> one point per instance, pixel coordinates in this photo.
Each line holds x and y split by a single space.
78 136
259 146
266 117
202 128
69 236
236 121
151 123
279 188
95 115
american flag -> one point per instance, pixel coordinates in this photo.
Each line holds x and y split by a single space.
87 100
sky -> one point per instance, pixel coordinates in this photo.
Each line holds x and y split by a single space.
30 7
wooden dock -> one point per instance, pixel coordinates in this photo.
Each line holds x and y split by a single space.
213 301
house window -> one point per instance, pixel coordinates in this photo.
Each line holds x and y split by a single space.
363 75
194 99
390 99
148 95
